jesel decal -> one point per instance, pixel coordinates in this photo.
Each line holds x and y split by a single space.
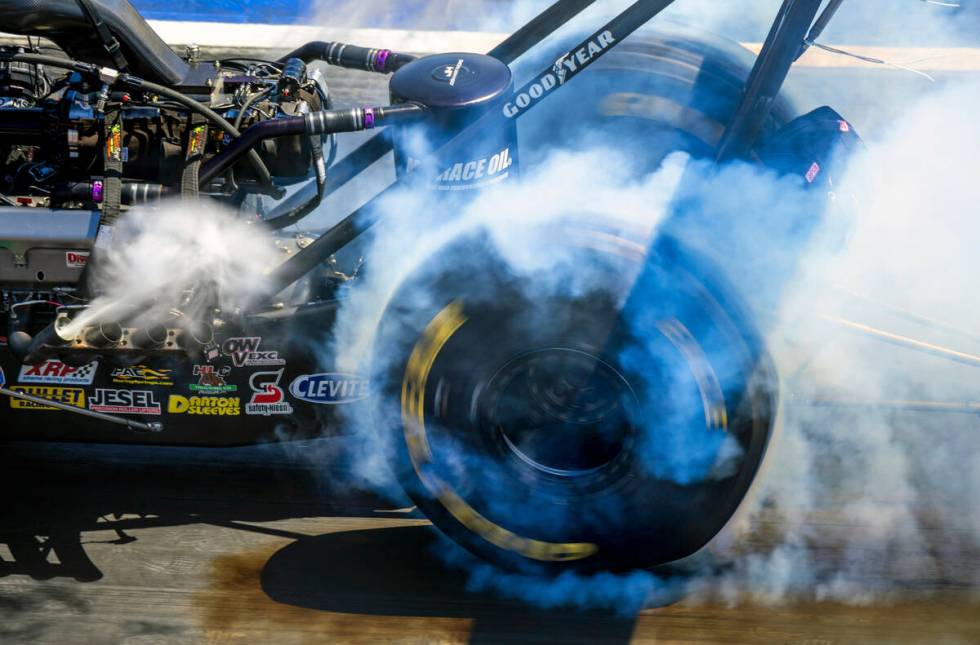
124 402
330 389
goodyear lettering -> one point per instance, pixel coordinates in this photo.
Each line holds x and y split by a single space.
225 406
570 63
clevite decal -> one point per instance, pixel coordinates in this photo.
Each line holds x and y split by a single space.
330 388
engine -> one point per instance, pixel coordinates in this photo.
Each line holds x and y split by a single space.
53 141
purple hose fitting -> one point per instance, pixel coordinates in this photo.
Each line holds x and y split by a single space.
97 191
381 59
369 118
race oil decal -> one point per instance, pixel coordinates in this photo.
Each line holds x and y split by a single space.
477 173
124 402
57 373
141 375
226 406
211 380
73 396
76 259
330 389
245 352
267 397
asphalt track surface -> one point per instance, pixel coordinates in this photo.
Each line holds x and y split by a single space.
149 545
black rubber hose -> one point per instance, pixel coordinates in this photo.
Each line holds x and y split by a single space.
350 56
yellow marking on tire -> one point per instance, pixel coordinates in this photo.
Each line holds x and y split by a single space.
436 334
712 396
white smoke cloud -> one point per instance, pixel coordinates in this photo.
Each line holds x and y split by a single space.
159 255
853 492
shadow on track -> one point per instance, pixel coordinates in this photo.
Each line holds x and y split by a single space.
392 572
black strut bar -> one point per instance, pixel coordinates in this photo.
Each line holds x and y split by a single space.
362 219
547 22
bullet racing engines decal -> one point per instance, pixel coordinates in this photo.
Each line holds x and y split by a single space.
73 396
330 388
244 352
124 402
226 406
57 373
267 397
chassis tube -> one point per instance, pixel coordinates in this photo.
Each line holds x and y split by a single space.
542 26
768 74
366 216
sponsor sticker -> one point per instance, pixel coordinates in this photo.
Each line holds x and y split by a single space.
141 375
226 406
124 402
113 143
330 388
245 352
73 396
570 63
198 139
76 259
212 351
57 373
812 173
267 397
477 173
211 380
